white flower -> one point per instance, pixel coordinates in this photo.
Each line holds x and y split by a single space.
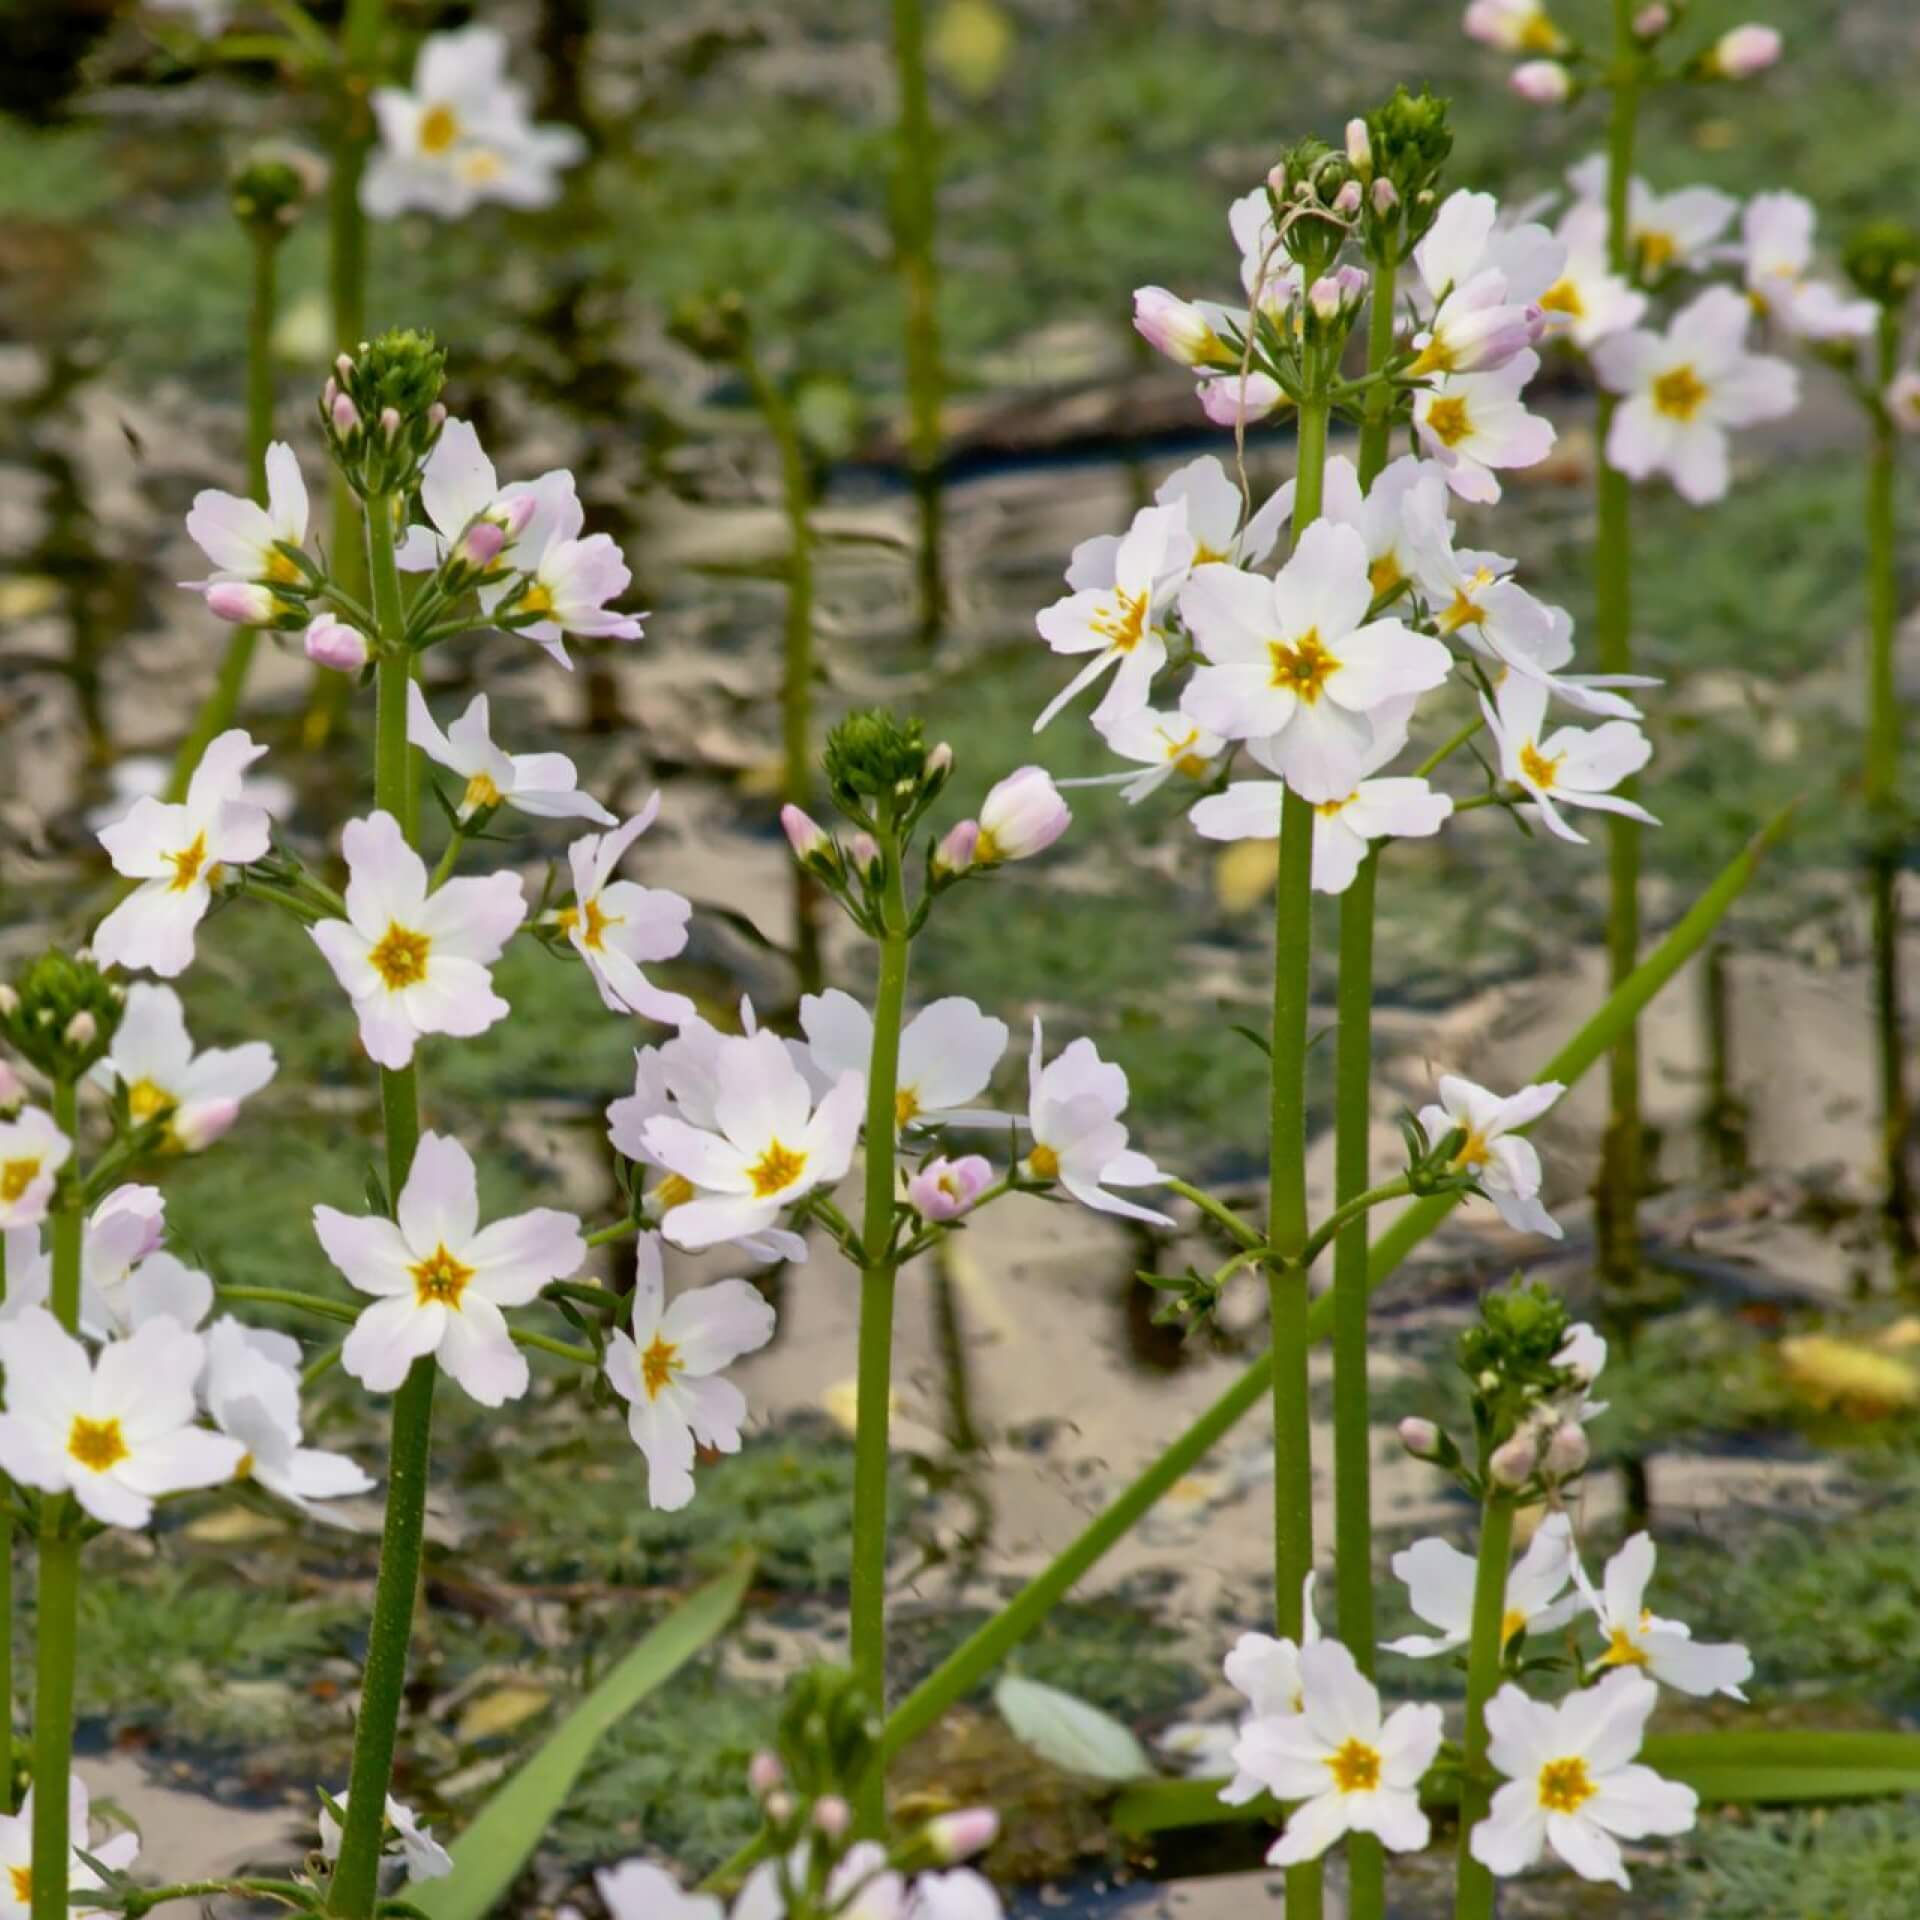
567 592
1514 26
1120 624
1074 1105
29 1271
668 1371
116 1432
1439 1582
1405 808
542 784
256 1401
178 851
426 1858
458 487
1291 666
1349 1771
1400 520
142 777
1473 423
1163 743
958 1894
1589 300
614 925
948 1052
249 543
125 1280
1571 1784
1665 231
1665 1649
1539 650
1542 83
441 1278
768 1147
1214 509
1022 815
32 1151
1681 391
119 1851
462 135
1506 1165
1484 314
1776 234
414 962
198 1095
1572 766
1266 1671
638 1890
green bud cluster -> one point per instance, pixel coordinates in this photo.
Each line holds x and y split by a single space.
828 1733
268 192
1303 188
880 770
1883 260
1411 139
61 1014
1509 1356
381 411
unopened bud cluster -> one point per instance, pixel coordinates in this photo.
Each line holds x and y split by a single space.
61 1014
381 413
270 190
1398 150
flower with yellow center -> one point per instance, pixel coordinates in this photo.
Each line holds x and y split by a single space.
668 1370
248 542
1665 1650
1569 767
948 1052
116 1851
32 1152
1439 1580
441 1280
1074 1103
1506 1165
197 1094
542 785
616 925
1475 424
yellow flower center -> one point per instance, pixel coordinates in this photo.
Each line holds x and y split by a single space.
1679 394
1511 1622
1565 1785
1540 35
16 1176
1176 750
1448 420
1206 556
1473 1150
1043 1163
658 1365
1303 667
906 1103
1538 767
22 1878
536 599
776 1169
1564 297
439 1280
1326 809
186 864
96 1444
1657 250
1386 575
986 849
674 1191
1435 357
1466 611
147 1100
243 1467
482 166
439 129
1621 1652
591 919
400 958
1355 1767
1123 627
481 792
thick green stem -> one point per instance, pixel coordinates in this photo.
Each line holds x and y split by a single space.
1473 1888
796 687
913 242
1376 426
354 1887
223 700
868 1624
56 1611
1618 1196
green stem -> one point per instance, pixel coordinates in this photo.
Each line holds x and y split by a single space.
1883 699
354 1887
1217 1211
57 1607
1376 426
223 699
1619 1189
1473 1887
449 859
796 689
314 1303
868 1597
913 235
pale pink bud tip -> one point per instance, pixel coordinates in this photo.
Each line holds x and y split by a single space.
1541 83
1567 1452
832 1816
513 515
804 833
9 1001
13 1090
346 416
1385 196
1175 327
1419 1437
940 760
1745 51
82 1030
1359 147
390 421
959 1836
481 544
944 1189
330 642
1514 1462
1347 201
242 602
955 852
1022 816
764 1773
1650 22
864 850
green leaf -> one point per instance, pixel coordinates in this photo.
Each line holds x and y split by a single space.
1076 1736
492 1851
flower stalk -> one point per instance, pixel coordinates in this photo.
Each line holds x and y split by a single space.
1474 1889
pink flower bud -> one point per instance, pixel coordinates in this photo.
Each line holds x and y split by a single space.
480 546
1359 148
940 761
1346 202
211 1118
1176 327
944 1189
330 642
1514 1461
1903 400
1567 1452
764 1773
959 1836
955 852
1353 283
512 515
13 1090
9 1002
1651 22
804 833
346 416
243 602
1385 196
343 365
437 415
1230 401
1324 298
1744 51
864 851
390 422
1421 1438
1541 83
82 1030
1022 816
1277 180
832 1815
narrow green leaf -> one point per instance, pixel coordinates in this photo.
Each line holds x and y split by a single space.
492 1851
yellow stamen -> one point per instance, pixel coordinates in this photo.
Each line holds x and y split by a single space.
244 1469
1565 1785
1448 420
1043 1163
1303 667
147 1100
674 1191
1435 357
658 1365
906 1103
400 958
481 166
597 920
1657 250
1385 575
1326 809
96 1444
16 1176
1540 35
439 129
1206 556
1621 1652
439 1280
1355 1768
1473 1150
22 1878
1511 1622
1538 768
776 1169
481 792
186 864
1564 297
1679 394
282 570
1123 628
536 599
